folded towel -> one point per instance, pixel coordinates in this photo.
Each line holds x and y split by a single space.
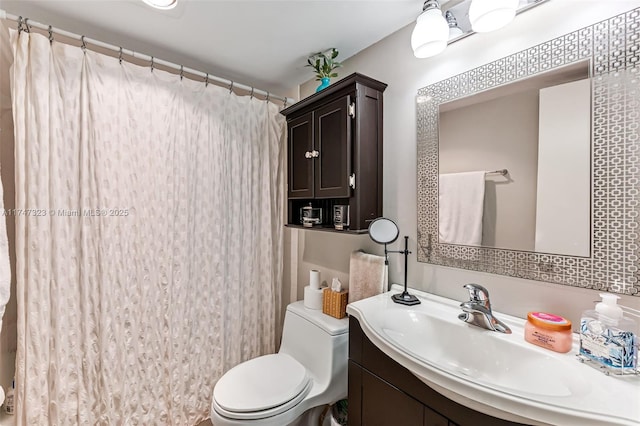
367 275
460 208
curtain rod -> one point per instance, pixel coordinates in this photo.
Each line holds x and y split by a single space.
86 40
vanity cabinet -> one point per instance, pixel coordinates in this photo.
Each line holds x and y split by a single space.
334 152
383 393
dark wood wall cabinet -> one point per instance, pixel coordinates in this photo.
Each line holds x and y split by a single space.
335 152
383 393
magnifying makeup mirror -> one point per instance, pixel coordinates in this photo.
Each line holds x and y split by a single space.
385 231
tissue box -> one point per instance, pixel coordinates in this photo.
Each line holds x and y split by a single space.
335 303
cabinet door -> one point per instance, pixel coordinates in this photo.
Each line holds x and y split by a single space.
301 162
431 418
333 145
385 405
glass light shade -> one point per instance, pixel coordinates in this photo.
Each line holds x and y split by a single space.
161 4
490 15
430 35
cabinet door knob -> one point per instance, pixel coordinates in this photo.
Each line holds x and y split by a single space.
315 154
308 155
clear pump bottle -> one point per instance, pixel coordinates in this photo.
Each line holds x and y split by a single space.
607 337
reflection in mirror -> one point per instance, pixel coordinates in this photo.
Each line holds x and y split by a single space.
539 130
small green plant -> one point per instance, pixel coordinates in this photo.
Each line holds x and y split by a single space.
324 63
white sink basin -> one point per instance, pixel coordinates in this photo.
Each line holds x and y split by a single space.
494 360
498 374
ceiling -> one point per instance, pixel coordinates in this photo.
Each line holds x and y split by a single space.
261 43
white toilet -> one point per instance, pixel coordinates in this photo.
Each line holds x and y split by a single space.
309 372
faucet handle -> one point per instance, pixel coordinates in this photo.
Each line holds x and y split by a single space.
477 293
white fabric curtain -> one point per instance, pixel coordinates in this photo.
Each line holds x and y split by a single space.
151 261
6 219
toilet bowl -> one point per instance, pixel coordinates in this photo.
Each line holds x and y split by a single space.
308 372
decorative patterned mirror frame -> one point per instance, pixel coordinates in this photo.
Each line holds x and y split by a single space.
613 48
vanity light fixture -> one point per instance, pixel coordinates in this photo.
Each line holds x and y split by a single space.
454 29
490 15
162 4
431 33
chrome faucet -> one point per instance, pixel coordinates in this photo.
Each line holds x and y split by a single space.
477 310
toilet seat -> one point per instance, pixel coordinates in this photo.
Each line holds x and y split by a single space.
261 387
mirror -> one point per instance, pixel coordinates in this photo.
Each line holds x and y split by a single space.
383 231
607 257
529 143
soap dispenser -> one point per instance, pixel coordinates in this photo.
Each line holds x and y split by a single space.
607 336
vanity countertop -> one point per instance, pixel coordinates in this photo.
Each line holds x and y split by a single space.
498 374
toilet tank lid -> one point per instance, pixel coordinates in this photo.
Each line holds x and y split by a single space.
331 325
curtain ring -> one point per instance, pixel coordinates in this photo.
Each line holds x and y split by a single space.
26 25
84 44
206 80
181 72
231 87
251 93
50 30
120 56
152 64
20 29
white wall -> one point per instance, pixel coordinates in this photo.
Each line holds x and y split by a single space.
391 61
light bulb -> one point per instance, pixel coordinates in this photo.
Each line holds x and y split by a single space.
454 32
454 29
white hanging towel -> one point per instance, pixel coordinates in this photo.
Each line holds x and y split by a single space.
367 275
460 207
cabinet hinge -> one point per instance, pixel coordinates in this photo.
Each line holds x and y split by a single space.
352 110
352 181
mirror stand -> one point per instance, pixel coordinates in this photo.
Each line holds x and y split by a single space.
403 298
385 231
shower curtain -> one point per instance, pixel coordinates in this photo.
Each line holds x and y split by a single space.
149 251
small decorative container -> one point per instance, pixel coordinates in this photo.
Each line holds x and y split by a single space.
334 303
324 85
548 331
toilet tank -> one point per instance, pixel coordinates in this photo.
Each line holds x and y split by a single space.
317 341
